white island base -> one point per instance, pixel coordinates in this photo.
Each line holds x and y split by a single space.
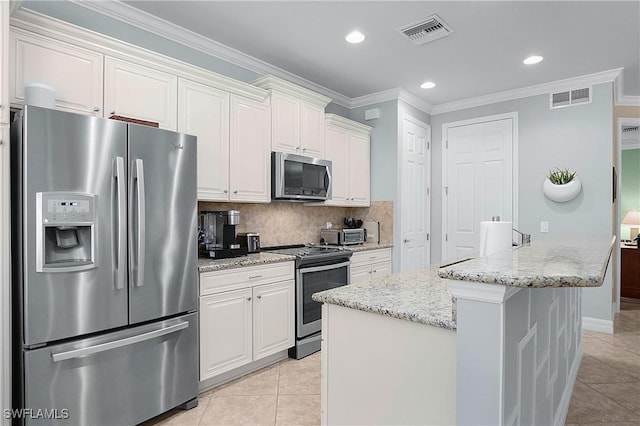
382 370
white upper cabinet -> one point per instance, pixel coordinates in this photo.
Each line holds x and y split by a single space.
203 111
249 151
73 72
4 62
347 145
297 117
136 91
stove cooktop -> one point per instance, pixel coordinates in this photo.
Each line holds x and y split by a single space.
305 254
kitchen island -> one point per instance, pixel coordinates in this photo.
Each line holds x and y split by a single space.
492 340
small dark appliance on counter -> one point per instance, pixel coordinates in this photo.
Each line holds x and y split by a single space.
217 236
250 240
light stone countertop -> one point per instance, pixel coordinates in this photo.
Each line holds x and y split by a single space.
367 246
571 261
208 265
419 296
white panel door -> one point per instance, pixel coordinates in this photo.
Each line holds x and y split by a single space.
312 130
359 170
249 151
479 182
273 318
336 150
74 73
225 332
285 120
416 196
134 91
4 67
204 112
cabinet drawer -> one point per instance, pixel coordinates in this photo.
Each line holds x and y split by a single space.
231 279
370 256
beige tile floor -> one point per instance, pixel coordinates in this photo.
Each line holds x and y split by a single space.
288 393
607 391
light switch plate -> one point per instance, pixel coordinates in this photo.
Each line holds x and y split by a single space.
544 226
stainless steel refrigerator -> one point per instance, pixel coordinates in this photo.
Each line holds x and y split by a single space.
104 269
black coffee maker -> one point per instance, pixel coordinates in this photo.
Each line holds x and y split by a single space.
217 236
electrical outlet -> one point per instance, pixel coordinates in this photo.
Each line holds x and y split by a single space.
544 226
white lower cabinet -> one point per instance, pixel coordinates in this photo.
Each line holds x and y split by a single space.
369 264
244 325
225 332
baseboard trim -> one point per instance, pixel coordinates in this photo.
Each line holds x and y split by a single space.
595 324
565 401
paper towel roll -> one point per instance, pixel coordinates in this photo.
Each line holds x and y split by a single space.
495 237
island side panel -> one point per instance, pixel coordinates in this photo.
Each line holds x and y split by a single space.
518 353
383 370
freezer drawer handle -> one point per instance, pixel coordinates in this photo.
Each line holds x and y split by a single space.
77 353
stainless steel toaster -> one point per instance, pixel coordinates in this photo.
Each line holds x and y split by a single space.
342 237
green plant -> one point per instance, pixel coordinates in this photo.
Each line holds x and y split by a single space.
560 177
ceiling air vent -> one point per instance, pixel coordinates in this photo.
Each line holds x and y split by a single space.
425 30
571 97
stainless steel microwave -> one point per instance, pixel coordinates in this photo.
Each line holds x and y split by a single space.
298 178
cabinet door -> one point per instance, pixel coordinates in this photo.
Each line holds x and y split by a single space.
74 73
380 269
273 318
135 91
336 150
360 273
204 112
4 62
285 121
225 332
249 151
312 130
359 170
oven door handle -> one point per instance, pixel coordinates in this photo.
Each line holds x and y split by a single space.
324 267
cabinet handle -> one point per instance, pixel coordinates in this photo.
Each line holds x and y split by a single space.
406 240
225 191
255 276
96 109
304 149
259 297
297 148
374 271
248 299
235 192
1 106
112 112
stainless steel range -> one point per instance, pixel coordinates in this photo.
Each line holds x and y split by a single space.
318 268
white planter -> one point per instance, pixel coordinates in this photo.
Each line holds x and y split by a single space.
562 193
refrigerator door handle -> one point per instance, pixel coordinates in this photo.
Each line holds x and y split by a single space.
140 246
77 353
120 245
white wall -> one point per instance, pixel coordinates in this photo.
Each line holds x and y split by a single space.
578 138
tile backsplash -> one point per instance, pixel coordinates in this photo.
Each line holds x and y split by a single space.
283 223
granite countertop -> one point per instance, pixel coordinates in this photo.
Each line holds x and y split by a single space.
368 246
208 265
419 296
575 261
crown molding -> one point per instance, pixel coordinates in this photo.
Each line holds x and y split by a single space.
540 89
345 123
154 25
397 93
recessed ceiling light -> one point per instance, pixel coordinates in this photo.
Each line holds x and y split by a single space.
533 60
428 85
355 37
